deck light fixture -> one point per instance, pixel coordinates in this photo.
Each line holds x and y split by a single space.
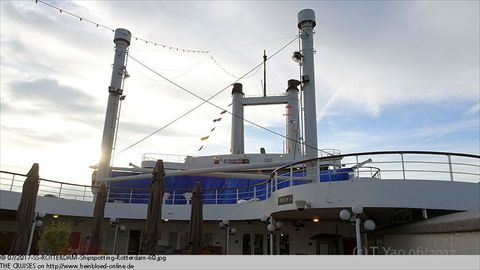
225 224
369 224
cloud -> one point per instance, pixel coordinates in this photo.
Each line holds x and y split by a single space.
48 95
475 109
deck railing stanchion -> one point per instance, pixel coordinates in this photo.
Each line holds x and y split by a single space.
254 191
450 167
237 194
216 196
269 183
84 192
60 191
108 193
403 166
291 175
276 182
358 172
131 194
13 180
173 197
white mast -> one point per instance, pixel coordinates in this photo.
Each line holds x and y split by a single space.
122 41
306 23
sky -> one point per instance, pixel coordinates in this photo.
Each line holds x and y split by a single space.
395 75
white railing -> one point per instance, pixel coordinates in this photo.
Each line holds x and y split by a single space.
164 157
47 188
329 152
384 166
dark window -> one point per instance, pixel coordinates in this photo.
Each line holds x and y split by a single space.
134 242
247 244
284 244
258 244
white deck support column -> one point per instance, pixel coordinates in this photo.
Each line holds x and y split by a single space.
122 41
293 128
238 142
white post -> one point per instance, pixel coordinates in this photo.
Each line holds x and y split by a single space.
357 235
403 166
450 167
291 175
237 137
114 251
13 180
271 243
122 41
60 191
306 23
227 236
32 231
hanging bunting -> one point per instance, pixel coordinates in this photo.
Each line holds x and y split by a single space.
211 130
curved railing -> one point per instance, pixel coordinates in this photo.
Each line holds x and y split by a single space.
329 152
378 166
164 157
385 165
48 188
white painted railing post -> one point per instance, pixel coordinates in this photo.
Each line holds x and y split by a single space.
269 183
173 197
276 182
254 191
60 191
358 171
216 196
13 180
291 175
450 167
403 166
131 194
84 192
237 194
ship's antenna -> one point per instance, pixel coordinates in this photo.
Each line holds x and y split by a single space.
264 73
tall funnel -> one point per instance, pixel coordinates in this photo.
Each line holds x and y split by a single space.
237 139
306 23
293 127
122 41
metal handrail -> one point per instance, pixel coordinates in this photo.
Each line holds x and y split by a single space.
261 190
401 153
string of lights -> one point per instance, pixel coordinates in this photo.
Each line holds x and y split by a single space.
158 44
221 67
143 40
